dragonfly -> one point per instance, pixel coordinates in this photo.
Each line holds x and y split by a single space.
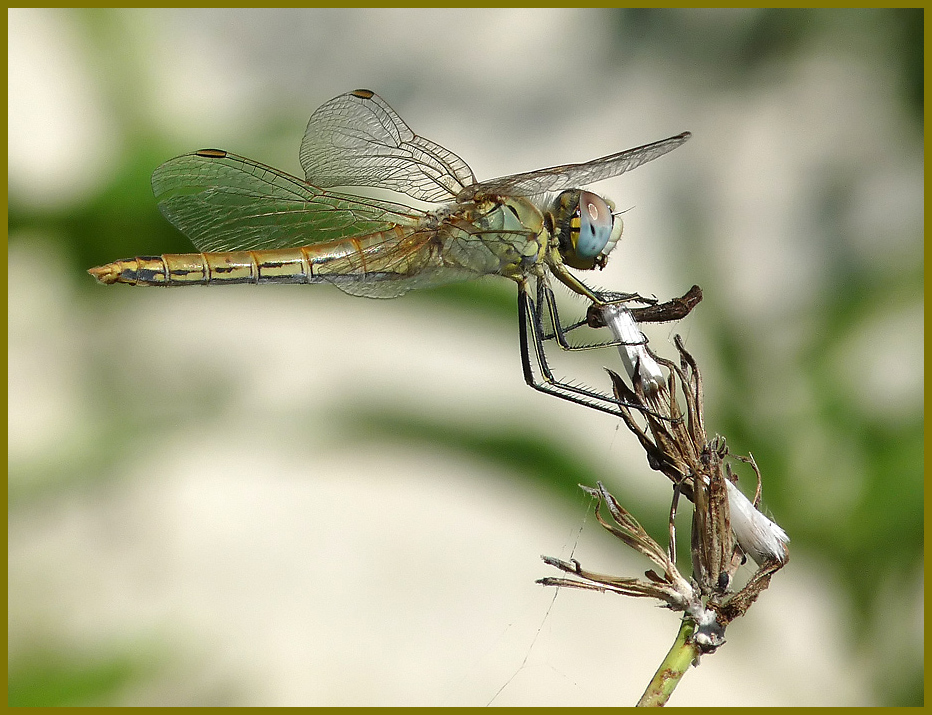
251 223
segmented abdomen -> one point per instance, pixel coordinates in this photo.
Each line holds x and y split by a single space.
307 264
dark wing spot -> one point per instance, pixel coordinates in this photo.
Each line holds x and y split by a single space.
362 93
211 153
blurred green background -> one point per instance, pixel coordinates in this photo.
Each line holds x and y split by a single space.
290 496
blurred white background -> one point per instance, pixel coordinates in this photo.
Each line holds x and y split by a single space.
288 496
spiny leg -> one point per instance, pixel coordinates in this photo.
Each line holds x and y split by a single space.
529 319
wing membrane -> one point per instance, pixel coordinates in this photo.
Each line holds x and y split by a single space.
394 267
225 202
567 176
356 139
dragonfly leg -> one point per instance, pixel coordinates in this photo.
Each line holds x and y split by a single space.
530 331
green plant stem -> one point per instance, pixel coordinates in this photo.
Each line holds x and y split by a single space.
672 669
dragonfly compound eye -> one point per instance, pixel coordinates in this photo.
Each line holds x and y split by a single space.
586 228
595 225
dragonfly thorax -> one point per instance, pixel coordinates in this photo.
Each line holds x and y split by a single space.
585 228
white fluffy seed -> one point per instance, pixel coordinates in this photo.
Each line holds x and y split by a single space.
760 538
633 349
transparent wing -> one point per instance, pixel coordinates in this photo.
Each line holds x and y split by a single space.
393 267
570 176
356 139
225 202
451 250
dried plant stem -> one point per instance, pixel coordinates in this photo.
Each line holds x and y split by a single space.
672 669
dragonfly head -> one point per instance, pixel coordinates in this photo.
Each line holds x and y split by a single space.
585 227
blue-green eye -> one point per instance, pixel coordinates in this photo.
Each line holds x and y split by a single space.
595 225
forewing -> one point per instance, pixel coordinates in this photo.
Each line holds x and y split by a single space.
571 176
225 202
356 139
